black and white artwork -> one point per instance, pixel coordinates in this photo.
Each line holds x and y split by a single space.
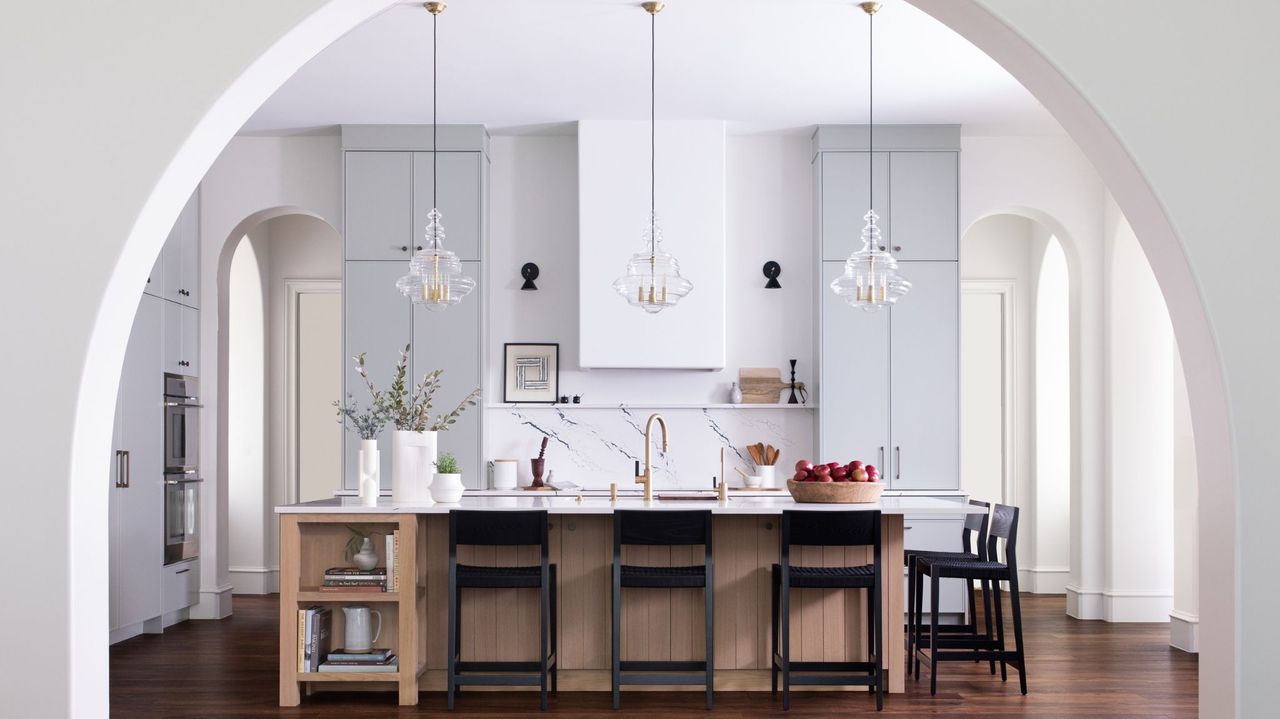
531 372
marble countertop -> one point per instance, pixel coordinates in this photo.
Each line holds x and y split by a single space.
755 503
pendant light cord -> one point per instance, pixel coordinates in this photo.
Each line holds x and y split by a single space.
871 111
653 134
435 153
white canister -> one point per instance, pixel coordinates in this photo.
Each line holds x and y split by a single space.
504 473
767 474
370 469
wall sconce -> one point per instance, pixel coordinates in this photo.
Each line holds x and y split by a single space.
772 270
530 273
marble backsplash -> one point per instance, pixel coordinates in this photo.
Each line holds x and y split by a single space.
593 446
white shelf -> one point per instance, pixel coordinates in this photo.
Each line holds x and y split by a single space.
650 405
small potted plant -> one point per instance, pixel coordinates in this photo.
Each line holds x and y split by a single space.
447 486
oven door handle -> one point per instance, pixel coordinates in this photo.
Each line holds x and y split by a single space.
184 404
183 481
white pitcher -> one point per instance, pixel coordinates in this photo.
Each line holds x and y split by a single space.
360 635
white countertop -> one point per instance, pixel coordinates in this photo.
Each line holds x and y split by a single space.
772 503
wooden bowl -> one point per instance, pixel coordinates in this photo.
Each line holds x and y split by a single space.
835 492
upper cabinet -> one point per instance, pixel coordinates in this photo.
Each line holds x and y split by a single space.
458 195
176 274
924 205
844 177
379 205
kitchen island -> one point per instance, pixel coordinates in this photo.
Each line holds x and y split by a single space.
501 625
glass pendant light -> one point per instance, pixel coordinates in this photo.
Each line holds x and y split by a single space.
435 278
653 280
871 278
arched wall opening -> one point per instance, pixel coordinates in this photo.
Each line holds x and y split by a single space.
229 95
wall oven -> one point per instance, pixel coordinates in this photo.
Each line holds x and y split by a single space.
181 471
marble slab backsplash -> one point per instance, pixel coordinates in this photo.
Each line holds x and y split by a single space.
594 446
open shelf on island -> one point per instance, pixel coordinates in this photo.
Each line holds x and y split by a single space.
349 676
312 595
648 405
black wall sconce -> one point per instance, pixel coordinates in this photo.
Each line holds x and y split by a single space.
530 273
772 270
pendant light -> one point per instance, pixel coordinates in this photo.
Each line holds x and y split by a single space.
435 278
871 278
652 281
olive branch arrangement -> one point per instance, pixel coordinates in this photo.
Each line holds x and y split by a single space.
404 408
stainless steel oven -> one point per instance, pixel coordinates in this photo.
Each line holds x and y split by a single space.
181 471
181 516
181 423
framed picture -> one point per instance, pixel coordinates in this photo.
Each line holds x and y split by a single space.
530 372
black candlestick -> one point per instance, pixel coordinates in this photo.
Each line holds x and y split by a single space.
794 399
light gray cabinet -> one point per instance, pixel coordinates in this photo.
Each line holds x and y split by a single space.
459 199
445 340
844 196
854 372
176 274
924 204
378 205
180 343
378 321
136 504
181 586
925 378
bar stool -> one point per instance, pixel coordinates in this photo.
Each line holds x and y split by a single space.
505 528
973 524
656 528
828 529
1004 526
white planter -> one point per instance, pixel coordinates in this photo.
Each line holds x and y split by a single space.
447 488
369 463
413 465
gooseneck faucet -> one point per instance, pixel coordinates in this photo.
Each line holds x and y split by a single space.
647 478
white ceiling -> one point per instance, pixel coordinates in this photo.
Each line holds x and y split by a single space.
531 65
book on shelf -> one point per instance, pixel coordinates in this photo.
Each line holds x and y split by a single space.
362 588
373 655
355 582
356 571
359 662
389 668
393 561
313 637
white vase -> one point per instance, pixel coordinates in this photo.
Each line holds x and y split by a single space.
367 557
413 465
735 394
370 462
447 488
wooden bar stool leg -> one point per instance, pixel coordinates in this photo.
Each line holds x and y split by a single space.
1016 605
933 635
453 640
786 646
555 650
773 656
617 633
986 612
995 598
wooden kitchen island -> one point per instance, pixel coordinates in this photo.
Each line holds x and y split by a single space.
657 624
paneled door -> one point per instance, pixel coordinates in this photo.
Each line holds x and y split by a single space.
925 379
459 198
845 198
379 205
924 200
854 387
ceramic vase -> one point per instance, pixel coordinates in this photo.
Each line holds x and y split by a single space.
735 394
370 462
413 465
367 557
447 488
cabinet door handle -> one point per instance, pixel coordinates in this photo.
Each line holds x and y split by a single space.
404 248
183 571
881 465
119 469
418 248
897 248
128 468
897 463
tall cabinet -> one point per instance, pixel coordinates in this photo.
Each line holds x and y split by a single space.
387 193
889 381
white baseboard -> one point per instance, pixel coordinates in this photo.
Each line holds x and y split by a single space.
215 603
1111 606
1184 631
254 580
1044 580
126 632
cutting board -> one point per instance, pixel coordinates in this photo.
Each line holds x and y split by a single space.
761 385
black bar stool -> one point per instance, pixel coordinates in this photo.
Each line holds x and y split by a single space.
1004 526
975 527
828 529
520 528
655 528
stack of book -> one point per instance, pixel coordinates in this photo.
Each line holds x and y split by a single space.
374 660
313 637
353 579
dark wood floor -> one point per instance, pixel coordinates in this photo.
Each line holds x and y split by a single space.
1077 669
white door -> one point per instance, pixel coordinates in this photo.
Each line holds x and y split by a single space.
983 392
319 383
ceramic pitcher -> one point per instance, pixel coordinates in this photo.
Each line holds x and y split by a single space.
360 634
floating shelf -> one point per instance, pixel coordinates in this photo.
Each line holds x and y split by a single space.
311 595
651 405
348 676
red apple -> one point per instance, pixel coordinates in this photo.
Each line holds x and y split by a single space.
832 465
801 476
804 465
860 475
871 468
839 473
855 464
822 469
825 478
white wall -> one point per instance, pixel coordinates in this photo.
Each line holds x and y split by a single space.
1184 620
1053 393
246 415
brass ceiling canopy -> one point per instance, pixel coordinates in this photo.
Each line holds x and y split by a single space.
435 8
653 8
869 8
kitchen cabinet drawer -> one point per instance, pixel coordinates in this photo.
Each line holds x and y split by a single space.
938 535
181 585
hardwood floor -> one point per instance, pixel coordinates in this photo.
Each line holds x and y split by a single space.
1077 669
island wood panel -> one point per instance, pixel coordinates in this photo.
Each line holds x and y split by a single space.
658 624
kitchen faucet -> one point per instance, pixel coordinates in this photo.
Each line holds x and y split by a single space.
647 478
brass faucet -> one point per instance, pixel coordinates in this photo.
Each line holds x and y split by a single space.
647 478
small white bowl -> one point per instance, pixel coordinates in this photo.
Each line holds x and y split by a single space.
752 480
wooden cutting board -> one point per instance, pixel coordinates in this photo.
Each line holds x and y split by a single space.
761 385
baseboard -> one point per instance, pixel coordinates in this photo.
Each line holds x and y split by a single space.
1118 607
1044 580
254 580
1184 631
215 603
175 617
126 632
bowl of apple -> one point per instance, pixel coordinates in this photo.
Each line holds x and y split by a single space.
835 483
